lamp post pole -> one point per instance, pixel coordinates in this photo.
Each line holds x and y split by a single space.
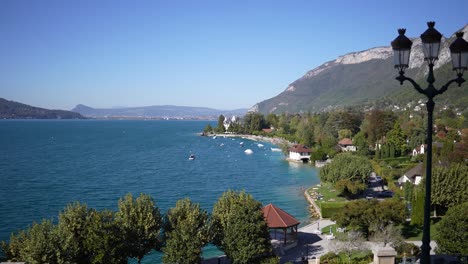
431 43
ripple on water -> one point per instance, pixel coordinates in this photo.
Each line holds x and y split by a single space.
44 165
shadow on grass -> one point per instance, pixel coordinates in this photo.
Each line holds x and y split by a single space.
408 230
414 232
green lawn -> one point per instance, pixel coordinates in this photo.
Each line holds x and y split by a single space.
328 192
330 202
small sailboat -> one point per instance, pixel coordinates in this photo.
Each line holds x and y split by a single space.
275 149
191 157
248 151
241 144
260 145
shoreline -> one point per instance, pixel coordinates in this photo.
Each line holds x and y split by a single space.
314 210
272 140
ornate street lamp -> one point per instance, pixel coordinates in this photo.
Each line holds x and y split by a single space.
431 45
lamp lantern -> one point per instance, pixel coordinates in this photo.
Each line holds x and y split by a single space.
401 46
459 53
431 43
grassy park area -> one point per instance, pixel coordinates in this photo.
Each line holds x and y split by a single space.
327 199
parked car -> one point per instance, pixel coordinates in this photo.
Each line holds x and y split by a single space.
370 196
385 193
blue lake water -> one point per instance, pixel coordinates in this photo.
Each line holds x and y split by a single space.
44 165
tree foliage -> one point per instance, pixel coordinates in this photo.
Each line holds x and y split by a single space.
417 206
38 244
347 172
73 225
239 228
452 231
186 232
372 216
449 185
140 222
397 139
220 128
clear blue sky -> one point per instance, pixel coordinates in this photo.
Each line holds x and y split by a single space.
219 54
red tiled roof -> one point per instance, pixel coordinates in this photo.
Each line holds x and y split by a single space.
277 218
345 141
300 148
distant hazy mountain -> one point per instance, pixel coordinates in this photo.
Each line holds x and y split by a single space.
14 110
365 77
157 111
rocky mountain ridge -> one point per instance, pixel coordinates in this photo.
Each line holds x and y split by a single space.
314 83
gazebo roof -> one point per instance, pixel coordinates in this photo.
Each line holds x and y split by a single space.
277 218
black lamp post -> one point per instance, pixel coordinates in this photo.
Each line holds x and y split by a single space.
431 45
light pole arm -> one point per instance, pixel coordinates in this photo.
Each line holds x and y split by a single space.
416 86
459 80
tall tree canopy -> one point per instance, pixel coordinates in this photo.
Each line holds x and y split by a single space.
449 185
452 231
239 228
140 221
347 172
186 232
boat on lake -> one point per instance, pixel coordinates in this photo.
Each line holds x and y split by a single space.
191 157
248 151
275 149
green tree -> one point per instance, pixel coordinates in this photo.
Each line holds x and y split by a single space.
344 133
347 170
239 228
449 185
73 226
253 122
103 239
372 216
452 231
186 232
220 128
397 138
140 222
305 132
377 123
361 143
40 243
208 129
272 120
417 206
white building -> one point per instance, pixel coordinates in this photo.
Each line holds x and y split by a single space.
299 153
414 175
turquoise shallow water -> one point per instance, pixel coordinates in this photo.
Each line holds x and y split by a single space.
44 165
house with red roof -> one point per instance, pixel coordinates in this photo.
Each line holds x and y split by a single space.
299 153
346 144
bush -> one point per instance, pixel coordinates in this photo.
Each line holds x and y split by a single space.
330 209
330 258
270 260
407 249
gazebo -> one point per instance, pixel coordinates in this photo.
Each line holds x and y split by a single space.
278 219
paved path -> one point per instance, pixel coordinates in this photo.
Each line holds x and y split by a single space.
311 245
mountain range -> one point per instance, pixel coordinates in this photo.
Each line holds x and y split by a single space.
366 78
157 111
15 110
